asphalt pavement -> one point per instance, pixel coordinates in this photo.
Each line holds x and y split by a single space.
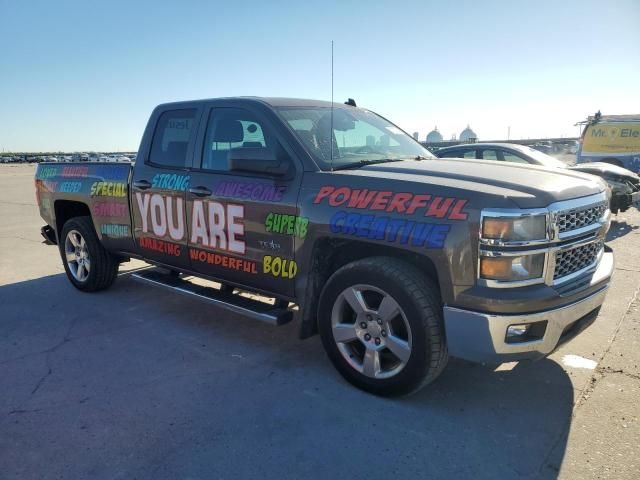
138 383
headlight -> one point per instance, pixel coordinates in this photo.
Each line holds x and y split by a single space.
515 229
508 268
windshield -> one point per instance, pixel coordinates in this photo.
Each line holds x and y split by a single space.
358 136
542 158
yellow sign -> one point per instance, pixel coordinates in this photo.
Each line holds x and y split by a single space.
612 138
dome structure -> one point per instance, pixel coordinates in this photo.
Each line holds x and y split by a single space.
434 135
468 134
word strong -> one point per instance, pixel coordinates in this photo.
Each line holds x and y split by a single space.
218 226
164 213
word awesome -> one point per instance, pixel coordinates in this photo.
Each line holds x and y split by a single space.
108 189
403 202
251 191
389 229
213 224
286 224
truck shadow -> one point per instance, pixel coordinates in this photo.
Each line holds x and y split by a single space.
619 229
246 391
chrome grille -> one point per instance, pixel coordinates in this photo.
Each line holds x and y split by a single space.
580 217
571 261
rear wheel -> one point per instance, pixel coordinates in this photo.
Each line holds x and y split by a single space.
380 320
88 265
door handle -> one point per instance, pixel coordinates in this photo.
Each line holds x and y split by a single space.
200 191
142 184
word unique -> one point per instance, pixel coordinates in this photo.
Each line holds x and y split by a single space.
211 258
279 267
286 224
160 246
109 209
114 230
213 224
70 187
390 229
251 191
402 202
109 189
170 181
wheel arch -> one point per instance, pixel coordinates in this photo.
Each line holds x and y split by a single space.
64 210
330 254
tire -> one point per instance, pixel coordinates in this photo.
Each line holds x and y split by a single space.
416 326
89 267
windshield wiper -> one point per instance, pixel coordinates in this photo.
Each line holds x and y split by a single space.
363 163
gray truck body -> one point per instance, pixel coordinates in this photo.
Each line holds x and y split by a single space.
284 233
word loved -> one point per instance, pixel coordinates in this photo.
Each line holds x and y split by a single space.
251 191
108 189
159 246
109 209
170 181
403 202
287 224
114 230
47 172
246 266
383 228
70 187
279 267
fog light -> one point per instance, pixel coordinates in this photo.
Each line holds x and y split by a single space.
526 332
517 330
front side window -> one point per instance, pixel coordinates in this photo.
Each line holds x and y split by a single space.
174 131
350 136
229 129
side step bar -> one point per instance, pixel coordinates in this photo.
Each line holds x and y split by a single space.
277 314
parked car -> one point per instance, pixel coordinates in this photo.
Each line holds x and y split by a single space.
398 259
611 139
624 184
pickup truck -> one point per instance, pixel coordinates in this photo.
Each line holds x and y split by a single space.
330 214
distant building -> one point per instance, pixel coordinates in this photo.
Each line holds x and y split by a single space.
434 135
468 135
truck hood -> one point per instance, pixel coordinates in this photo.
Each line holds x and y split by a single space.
528 186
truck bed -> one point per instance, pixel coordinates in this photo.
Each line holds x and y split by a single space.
100 188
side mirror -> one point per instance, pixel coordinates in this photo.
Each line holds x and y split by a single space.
258 160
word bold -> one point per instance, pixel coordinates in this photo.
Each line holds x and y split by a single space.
279 267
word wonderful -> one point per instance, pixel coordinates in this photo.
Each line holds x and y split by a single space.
390 229
402 202
211 258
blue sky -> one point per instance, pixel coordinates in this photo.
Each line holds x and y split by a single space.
85 75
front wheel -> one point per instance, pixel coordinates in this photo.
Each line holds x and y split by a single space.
88 265
381 325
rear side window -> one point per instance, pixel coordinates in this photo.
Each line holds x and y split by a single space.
512 157
468 154
229 129
173 133
489 155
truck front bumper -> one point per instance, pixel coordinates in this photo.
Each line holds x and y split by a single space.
483 337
